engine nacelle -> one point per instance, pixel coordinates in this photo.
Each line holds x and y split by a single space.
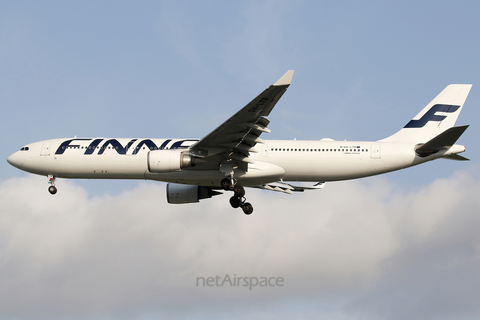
184 193
160 161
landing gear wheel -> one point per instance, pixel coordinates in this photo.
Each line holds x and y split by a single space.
239 190
52 189
235 202
247 208
238 199
226 184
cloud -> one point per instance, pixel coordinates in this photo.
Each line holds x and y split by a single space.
354 249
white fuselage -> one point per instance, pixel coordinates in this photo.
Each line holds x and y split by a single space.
287 160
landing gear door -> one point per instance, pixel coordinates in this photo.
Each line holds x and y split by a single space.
46 148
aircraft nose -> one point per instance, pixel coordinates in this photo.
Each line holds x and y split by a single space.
14 160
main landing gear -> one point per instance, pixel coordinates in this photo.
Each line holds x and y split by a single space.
238 199
51 180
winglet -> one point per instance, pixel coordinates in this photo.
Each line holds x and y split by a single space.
286 79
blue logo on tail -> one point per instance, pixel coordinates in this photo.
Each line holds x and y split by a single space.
431 116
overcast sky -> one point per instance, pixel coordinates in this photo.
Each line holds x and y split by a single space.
399 246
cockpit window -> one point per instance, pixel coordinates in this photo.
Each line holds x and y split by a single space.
24 149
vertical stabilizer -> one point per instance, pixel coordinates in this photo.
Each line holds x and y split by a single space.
439 115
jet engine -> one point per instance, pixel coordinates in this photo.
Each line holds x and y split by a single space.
184 193
161 161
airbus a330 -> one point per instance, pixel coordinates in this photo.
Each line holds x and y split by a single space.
233 156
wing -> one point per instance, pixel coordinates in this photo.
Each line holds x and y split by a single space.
288 188
234 140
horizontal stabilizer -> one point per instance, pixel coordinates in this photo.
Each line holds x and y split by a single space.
443 141
455 157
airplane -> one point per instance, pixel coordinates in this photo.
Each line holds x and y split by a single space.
233 156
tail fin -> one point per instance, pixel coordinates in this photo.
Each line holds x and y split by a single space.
439 115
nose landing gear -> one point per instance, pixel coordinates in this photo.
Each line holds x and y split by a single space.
238 199
52 189
51 180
